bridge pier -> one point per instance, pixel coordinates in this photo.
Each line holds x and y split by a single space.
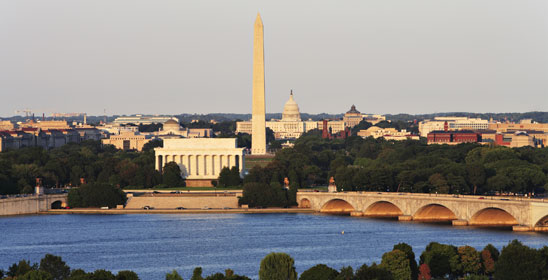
521 215
356 214
459 222
522 228
405 218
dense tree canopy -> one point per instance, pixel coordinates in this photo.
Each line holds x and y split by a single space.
67 165
96 195
411 166
277 266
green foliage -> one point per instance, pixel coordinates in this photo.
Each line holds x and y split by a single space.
126 275
171 176
408 250
150 145
266 195
397 263
469 261
21 268
346 273
64 166
277 266
101 274
378 165
319 272
55 266
518 261
441 259
229 177
96 195
78 274
197 274
174 275
373 272
36 275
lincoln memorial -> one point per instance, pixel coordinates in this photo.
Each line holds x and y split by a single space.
200 159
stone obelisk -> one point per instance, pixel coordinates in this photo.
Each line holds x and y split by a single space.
258 124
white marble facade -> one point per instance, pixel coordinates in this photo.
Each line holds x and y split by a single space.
200 158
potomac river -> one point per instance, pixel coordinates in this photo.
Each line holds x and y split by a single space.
153 245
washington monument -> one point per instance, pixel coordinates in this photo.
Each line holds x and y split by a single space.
258 132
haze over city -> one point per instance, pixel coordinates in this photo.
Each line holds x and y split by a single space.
176 57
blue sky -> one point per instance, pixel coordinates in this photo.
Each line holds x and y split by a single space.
174 56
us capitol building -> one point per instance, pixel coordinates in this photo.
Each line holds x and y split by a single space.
289 127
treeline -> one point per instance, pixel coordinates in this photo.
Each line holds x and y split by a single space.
541 117
70 164
407 166
437 261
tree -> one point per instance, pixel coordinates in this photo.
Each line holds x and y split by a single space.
174 275
102 274
476 175
21 268
127 275
229 177
493 250
346 273
397 263
408 250
96 195
277 266
424 272
78 274
470 261
171 176
36 275
441 259
517 261
373 272
319 272
488 264
150 145
197 274
55 266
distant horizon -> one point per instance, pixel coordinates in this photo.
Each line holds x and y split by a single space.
385 57
274 113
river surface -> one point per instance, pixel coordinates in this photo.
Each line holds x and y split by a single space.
155 244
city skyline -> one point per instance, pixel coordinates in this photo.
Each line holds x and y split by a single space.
174 58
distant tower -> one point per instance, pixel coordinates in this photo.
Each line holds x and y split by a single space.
258 124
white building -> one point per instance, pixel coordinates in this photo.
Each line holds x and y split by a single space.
289 127
200 159
387 133
454 123
140 119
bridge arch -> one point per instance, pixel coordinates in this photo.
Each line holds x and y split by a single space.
383 209
492 216
337 206
304 203
434 212
58 204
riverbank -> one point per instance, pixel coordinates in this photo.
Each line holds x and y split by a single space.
175 211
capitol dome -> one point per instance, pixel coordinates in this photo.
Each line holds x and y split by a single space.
291 110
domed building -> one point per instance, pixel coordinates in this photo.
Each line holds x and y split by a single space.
172 129
291 110
289 127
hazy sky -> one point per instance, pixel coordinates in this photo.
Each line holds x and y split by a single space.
176 56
